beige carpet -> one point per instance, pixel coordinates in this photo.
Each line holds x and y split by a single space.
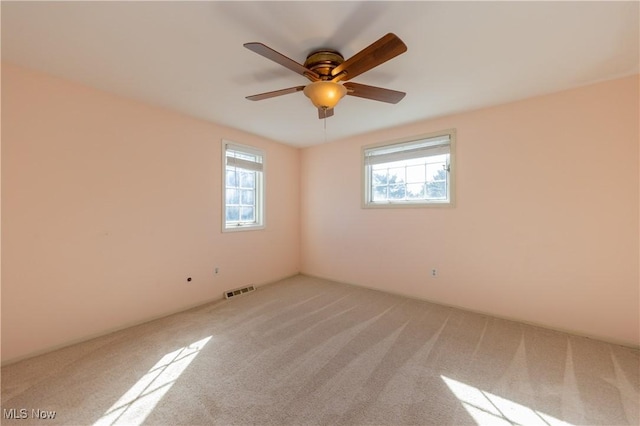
310 351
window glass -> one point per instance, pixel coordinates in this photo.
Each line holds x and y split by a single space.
415 172
243 187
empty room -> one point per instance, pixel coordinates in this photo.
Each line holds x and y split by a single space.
320 213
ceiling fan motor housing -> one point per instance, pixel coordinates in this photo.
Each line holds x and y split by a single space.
323 61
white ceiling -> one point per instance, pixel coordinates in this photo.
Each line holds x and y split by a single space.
188 56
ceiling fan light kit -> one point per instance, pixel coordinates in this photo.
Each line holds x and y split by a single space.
326 68
325 94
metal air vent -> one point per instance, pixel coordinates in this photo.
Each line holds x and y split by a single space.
238 291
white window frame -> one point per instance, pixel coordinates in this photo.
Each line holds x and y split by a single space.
438 144
260 203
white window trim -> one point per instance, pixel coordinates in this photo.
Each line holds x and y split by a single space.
261 203
365 187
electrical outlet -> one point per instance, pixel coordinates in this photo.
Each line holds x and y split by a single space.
216 270
434 272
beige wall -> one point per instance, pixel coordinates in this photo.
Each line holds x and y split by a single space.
108 205
545 227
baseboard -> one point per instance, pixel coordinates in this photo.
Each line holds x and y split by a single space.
124 326
631 345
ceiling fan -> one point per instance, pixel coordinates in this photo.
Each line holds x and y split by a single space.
326 68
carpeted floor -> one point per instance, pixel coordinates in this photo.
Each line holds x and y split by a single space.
310 351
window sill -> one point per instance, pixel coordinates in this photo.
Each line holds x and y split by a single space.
408 204
242 228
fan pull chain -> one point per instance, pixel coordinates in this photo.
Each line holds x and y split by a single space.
325 124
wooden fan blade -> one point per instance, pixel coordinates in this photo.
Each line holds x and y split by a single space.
325 113
388 47
279 58
374 93
275 93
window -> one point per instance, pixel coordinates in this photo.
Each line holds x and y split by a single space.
410 173
243 195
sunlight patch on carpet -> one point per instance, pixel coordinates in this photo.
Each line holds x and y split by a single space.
488 409
140 400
